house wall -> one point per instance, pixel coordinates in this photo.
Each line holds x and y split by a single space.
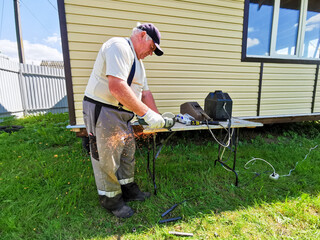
202 42
287 89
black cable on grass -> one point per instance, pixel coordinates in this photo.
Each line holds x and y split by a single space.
257 174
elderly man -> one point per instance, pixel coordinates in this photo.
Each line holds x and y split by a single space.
117 89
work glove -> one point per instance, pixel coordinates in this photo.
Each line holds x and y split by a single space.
153 119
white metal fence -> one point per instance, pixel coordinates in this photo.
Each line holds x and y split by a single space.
28 89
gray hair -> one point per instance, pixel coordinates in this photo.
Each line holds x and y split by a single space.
137 30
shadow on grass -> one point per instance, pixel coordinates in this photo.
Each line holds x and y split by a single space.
185 173
59 198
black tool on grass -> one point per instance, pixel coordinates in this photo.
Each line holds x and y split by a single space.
172 208
168 211
170 220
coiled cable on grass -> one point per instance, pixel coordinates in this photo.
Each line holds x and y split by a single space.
254 159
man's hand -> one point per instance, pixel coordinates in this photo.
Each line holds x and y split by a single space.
153 119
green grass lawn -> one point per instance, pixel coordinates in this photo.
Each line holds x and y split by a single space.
47 188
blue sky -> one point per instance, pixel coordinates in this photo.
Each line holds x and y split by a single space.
40 30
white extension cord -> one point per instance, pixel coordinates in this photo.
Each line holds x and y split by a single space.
274 175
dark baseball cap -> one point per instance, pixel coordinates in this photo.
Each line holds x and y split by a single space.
154 33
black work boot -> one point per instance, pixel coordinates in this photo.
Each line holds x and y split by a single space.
116 206
131 192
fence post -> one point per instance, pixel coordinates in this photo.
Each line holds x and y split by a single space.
22 90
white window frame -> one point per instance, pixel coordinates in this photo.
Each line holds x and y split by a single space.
273 55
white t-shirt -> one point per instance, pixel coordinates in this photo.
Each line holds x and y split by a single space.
115 58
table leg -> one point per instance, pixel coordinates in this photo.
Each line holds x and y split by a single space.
154 163
152 175
155 155
233 143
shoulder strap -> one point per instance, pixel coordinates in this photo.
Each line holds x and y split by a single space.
131 75
97 110
133 69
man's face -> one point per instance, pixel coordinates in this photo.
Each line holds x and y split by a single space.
146 48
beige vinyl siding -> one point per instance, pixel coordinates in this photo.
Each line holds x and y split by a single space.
201 40
287 89
202 43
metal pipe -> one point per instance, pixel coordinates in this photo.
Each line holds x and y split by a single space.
16 4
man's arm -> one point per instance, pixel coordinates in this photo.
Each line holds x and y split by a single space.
123 93
147 98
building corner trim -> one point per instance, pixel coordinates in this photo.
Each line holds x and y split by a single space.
66 59
315 89
260 89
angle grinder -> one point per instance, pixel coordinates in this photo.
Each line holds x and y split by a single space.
169 120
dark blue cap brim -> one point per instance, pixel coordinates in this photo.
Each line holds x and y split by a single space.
158 50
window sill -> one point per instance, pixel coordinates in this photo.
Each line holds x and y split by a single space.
279 60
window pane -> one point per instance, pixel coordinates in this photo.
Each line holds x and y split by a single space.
311 46
259 27
288 27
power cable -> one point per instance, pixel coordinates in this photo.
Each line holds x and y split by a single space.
229 132
274 175
221 143
298 162
52 5
224 144
254 159
34 16
1 18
